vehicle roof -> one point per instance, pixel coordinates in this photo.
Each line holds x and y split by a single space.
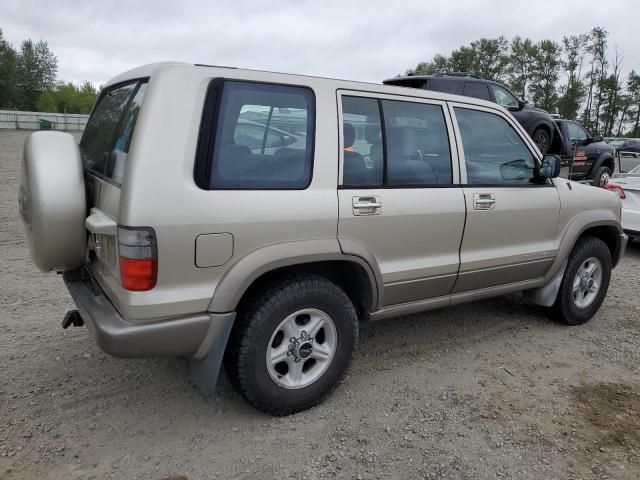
457 78
152 69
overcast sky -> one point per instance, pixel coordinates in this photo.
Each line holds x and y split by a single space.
360 40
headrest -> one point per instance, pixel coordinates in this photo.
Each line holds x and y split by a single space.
373 134
349 134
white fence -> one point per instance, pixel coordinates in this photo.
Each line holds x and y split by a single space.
38 120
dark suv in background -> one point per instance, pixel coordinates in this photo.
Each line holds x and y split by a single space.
588 156
538 123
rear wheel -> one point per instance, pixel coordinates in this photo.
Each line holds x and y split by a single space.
292 345
585 282
542 139
602 176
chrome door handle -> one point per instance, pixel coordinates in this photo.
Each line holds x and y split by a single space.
366 206
484 201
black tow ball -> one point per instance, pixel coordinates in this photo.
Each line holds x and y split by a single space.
72 317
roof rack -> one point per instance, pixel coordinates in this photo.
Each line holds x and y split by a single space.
447 73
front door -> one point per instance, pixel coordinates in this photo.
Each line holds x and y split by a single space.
511 219
399 197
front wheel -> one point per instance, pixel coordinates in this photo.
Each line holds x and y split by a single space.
585 282
542 139
602 176
292 344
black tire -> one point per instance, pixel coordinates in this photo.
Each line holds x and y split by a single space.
565 308
602 176
542 139
245 358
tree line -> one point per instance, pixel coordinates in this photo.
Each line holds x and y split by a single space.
577 78
28 81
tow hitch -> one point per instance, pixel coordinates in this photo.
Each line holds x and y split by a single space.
72 317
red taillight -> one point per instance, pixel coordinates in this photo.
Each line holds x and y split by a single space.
138 274
617 189
138 258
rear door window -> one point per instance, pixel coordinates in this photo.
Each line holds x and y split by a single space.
477 90
107 136
262 138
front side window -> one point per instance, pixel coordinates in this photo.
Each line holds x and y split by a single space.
494 152
409 148
504 98
106 138
263 137
576 132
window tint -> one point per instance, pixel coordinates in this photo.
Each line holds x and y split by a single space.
576 132
100 133
494 152
504 98
414 148
120 151
417 144
477 90
362 142
263 138
446 85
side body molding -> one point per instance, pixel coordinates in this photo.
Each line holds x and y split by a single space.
247 269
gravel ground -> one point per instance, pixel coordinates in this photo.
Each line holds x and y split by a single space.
491 389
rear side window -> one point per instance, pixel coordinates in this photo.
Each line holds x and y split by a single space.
259 136
107 136
477 90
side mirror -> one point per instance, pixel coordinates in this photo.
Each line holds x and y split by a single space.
550 168
596 139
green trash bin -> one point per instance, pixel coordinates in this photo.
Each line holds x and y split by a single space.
45 124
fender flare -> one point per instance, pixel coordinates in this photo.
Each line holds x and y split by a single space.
601 159
237 280
546 124
580 224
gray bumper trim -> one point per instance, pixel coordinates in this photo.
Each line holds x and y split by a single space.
118 337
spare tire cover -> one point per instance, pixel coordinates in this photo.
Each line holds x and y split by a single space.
53 202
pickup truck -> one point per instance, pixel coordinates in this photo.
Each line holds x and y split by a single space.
588 157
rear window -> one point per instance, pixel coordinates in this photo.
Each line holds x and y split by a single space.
106 139
256 136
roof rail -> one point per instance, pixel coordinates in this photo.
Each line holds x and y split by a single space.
447 73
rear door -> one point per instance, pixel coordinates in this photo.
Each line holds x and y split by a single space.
511 222
399 197
104 148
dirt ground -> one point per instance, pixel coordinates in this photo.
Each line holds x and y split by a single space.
492 389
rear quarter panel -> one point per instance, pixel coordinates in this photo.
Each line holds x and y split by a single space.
159 191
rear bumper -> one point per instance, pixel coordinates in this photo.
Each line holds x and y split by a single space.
191 336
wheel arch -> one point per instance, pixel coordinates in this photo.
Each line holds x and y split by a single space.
606 160
608 230
543 124
360 280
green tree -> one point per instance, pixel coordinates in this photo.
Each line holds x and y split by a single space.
597 48
35 72
491 58
519 67
463 59
574 91
545 74
8 88
633 92
46 102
